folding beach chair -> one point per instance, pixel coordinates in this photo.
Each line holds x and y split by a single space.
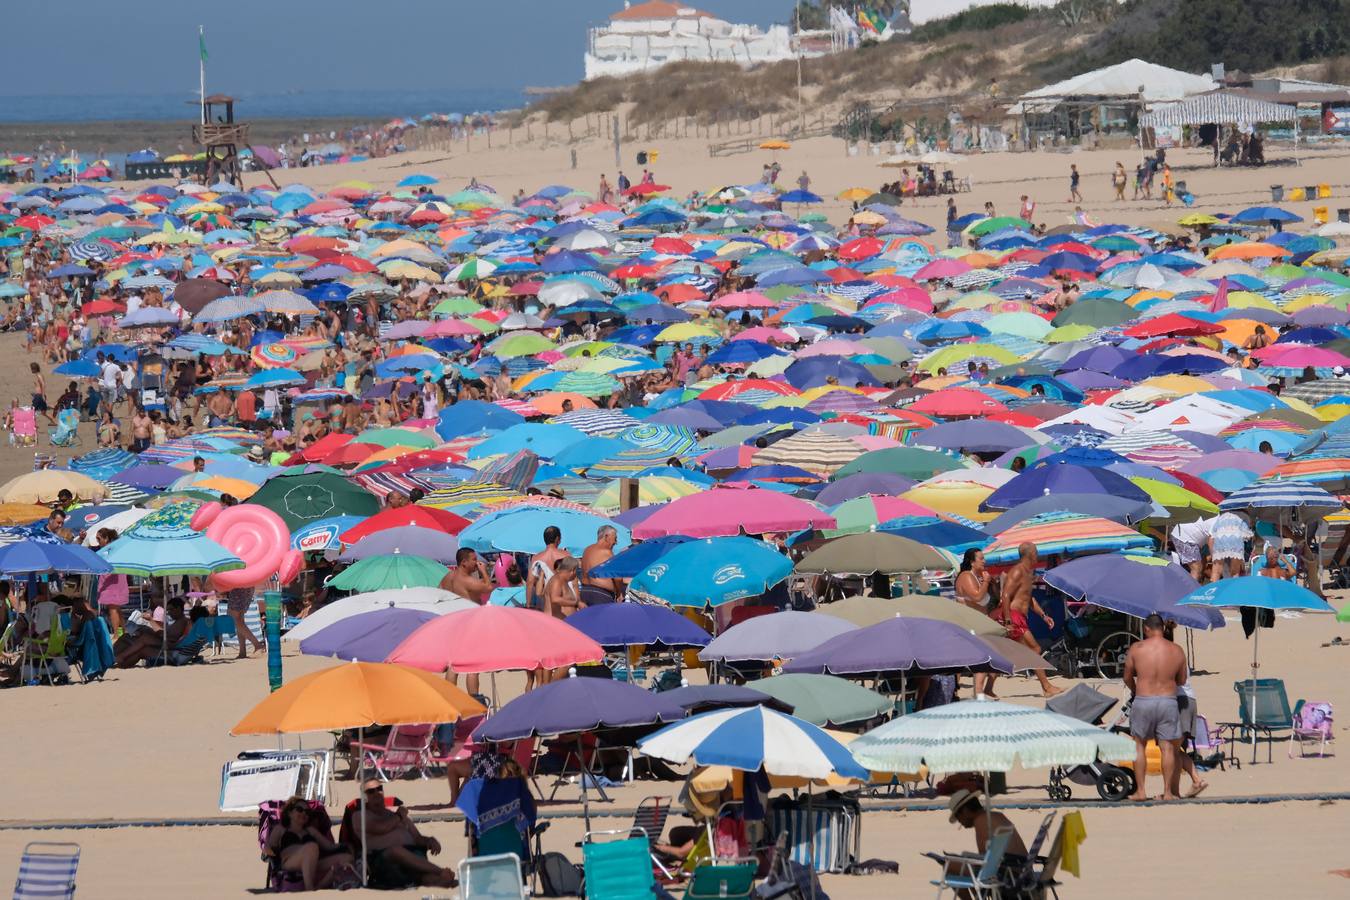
405 750
976 875
47 871
24 428
67 430
495 877
1263 709
650 819
617 869
723 880
1312 722
1024 881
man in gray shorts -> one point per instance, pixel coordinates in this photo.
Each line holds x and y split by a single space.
1154 669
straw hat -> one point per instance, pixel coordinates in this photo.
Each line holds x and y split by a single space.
960 799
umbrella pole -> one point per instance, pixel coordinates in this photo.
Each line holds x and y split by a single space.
811 836
361 768
1256 648
585 771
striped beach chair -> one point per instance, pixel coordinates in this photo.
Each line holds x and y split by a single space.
47 871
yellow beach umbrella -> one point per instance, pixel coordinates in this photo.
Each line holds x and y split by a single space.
962 498
854 194
686 331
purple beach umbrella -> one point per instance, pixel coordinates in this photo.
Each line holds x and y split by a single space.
575 705
901 645
366 637
410 540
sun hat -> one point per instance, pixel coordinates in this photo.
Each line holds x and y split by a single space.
960 799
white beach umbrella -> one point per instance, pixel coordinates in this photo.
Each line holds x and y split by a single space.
427 599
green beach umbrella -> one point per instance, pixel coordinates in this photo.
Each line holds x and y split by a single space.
997 223
588 384
398 437
1097 312
304 497
520 343
388 572
917 463
825 699
456 306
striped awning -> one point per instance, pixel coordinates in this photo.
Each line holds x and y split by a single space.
1218 107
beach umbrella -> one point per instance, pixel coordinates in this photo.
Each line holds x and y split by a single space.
322 534
366 637
781 635
865 611
753 739
520 529
825 700
1069 534
986 736
302 497
861 484
730 510
389 571
616 626
1256 592
712 571
423 517
917 463
164 543
406 540
1282 500
1137 586
421 599
901 645
872 552
45 485
44 557
495 639
1117 509
1042 480
577 705
358 695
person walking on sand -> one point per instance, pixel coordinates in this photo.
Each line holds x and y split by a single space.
1074 177
1119 180
1015 602
1168 185
1154 669
1027 209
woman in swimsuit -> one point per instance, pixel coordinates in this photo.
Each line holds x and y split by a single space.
972 589
305 849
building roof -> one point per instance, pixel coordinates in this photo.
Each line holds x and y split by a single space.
659 9
1132 78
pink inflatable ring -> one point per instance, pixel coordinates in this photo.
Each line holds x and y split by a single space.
256 535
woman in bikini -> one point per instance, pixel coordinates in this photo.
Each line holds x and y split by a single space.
300 847
972 589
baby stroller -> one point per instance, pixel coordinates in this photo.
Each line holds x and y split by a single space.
1112 782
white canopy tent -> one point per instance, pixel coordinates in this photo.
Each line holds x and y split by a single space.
1221 108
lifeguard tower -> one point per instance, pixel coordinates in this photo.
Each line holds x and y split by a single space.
222 137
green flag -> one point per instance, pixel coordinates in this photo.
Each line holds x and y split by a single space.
201 44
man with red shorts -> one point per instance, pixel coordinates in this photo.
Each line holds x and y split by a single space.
1015 602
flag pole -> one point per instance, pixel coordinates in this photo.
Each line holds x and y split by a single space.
201 45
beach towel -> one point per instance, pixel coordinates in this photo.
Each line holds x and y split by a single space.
1074 833
93 650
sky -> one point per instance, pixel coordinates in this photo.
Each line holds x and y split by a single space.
271 46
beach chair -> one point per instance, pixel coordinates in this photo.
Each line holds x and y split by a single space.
46 658
976 875
1208 746
405 750
1312 722
617 869
650 819
460 747
47 871
1045 878
67 430
1023 881
23 431
495 877
732 880
1263 710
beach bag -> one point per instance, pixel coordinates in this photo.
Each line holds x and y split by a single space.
559 876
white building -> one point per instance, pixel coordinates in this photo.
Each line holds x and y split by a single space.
649 35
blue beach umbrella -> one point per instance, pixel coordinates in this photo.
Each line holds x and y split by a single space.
618 625
520 529
38 557
712 571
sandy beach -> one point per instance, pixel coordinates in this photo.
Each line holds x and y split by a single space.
149 744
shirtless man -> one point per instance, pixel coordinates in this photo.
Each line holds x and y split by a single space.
542 565
1154 669
596 591
220 407
560 594
392 839
1015 602
470 580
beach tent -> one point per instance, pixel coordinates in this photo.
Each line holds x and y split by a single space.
1221 108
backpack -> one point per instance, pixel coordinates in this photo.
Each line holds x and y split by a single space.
559 876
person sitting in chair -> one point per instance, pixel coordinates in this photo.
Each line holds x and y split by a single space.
300 847
397 852
147 642
967 810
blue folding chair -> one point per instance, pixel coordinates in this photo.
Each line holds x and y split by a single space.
1263 709
618 869
47 871
978 876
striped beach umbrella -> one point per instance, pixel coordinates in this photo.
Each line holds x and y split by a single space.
986 736
815 451
751 739
1068 534
1331 473
1282 499
651 489
596 421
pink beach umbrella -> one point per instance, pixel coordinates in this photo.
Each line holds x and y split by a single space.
729 509
495 639
942 267
764 333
